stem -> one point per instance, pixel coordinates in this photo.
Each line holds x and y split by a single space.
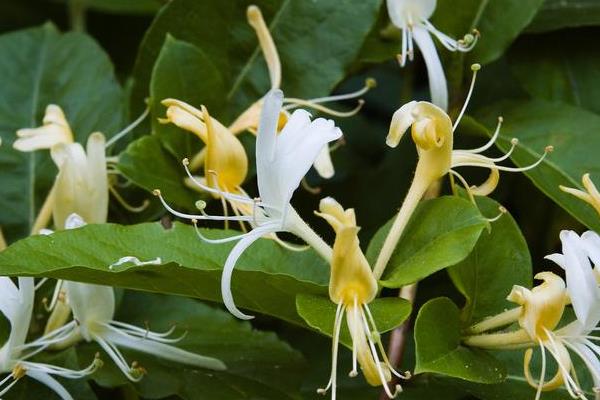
77 15
300 228
497 321
2 241
507 340
417 188
45 213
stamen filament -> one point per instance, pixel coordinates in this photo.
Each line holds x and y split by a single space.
547 150
125 204
492 140
474 68
204 216
294 103
128 129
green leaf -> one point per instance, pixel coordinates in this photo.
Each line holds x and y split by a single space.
440 233
438 348
319 313
317 42
150 166
558 14
259 365
571 130
565 68
499 260
40 66
267 277
499 21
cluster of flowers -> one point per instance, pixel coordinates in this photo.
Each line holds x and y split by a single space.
288 143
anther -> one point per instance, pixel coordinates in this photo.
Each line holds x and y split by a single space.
514 141
477 67
370 82
322 391
200 205
353 373
156 192
185 162
549 149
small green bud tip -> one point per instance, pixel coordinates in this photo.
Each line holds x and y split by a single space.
371 82
475 67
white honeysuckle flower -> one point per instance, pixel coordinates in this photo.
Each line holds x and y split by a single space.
93 308
583 290
412 17
282 160
55 129
16 303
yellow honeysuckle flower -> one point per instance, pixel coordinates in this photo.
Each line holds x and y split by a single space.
541 307
55 129
352 287
224 158
590 195
433 133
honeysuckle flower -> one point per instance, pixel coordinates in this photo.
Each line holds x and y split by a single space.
282 160
16 304
412 17
224 158
541 309
433 133
93 308
82 184
352 287
590 195
248 120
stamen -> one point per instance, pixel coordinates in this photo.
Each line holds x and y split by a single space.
474 68
497 217
492 140
128 129
339 316
547 150
406 374
204 216
370 83
125 204
294 103
513 145
40 283
463 181
354 371
57 295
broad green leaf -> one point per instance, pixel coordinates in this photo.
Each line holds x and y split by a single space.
40 66
438 348
259 365
440 233
267 277
571 130
317 42
28 388
319 313
499 260
499 21
151 166
558 14
559 67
